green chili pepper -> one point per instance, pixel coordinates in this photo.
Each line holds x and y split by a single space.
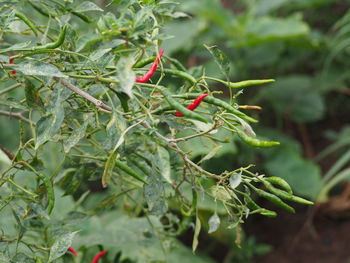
250 203
41 11
284 195
25 19
272 198
254 141
254 206
81 16
246 83
267 212
178 65
140 166
219 103
280 182
177 106
58 42
242 84
124 98
144 62
180 74
129 171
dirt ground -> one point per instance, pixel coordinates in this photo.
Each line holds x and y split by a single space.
327 240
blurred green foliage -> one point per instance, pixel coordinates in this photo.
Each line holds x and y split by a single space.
305 45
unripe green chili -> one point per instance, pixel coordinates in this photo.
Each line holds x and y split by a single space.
254 141
244 83
140 166
177 106
41 11
122 166
219 103
180 74
266 212
58 42
272 198
254 206
81 16
178 65
250 203
144 62
25 19
284 195
280 182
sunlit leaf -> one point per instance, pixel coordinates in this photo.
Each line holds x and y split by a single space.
214 223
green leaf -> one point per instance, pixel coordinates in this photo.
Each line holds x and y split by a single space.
126 75
135 237
77 134
214 223
221 59
87 6
60 246
110 163
197 230
32 95
235 180
47 127
266 28
5 162
99 53
296 97
154 194
221 193
181 37
38 68
163 163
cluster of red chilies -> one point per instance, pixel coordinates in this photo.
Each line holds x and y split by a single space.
150 73
96 257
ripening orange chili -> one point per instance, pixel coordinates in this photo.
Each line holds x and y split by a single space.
151 70
193 105
98 256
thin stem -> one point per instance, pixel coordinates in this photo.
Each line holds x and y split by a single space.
99 104
21 188
10 88
216 125
16 115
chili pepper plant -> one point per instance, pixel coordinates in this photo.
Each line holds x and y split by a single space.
100 118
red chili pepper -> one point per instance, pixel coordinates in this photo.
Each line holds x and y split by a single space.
98 256
151 70
192 106
73 251
13 72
